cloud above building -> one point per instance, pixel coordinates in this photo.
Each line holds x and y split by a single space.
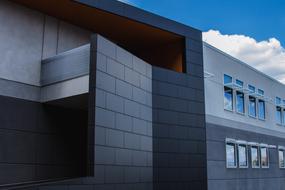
267 56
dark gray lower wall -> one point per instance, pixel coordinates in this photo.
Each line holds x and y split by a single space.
40 142
221 178
179 132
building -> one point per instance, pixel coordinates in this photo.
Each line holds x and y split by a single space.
97 94
244 125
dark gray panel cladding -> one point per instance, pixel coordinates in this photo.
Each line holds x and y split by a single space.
123 132
150 125
39 142
220 178
179 132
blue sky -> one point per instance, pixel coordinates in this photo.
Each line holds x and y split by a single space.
250 30
260 19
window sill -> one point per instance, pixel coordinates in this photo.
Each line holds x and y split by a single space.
228 110
253 117
240 113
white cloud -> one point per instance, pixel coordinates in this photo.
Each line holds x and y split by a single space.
267 56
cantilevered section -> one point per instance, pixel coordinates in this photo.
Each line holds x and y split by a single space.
160 47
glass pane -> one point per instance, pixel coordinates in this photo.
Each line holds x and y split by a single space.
239 83
278 115
278 101
261 109
240 102
252 107
228 98
231 155
260 92
251 88
242 155
264 157
254 157
281 159
227 79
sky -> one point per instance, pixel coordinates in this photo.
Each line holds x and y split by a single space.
250 30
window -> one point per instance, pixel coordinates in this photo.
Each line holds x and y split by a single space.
252 106
239 83
231 155
227 79
278 101
260 92
264 157
239 98
251 89
242 156
255 162
281 158
228 93
278 110
261 109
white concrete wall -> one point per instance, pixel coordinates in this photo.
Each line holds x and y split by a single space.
219 63
28 36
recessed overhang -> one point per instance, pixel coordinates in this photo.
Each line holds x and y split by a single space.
156 46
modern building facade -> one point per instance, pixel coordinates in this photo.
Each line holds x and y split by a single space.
97 94
244 124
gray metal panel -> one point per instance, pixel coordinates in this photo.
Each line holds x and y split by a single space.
19 90
221 178
66 65
123 144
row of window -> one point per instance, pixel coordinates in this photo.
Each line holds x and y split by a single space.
236 89
237 154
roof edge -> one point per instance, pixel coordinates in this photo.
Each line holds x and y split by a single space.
241 62
143 16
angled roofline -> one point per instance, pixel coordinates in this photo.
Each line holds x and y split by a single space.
242 63
139 15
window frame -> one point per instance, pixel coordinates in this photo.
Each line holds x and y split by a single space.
264 109
282 149
258 156
236 96
281 115
232 93
232 142
267 153
260 92
246 152
255 107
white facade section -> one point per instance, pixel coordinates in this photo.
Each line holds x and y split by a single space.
218 63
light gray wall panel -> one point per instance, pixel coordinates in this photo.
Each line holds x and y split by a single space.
70 36
27 36
67 65
50 37
19 90
21 36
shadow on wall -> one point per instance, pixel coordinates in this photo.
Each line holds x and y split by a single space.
41 142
